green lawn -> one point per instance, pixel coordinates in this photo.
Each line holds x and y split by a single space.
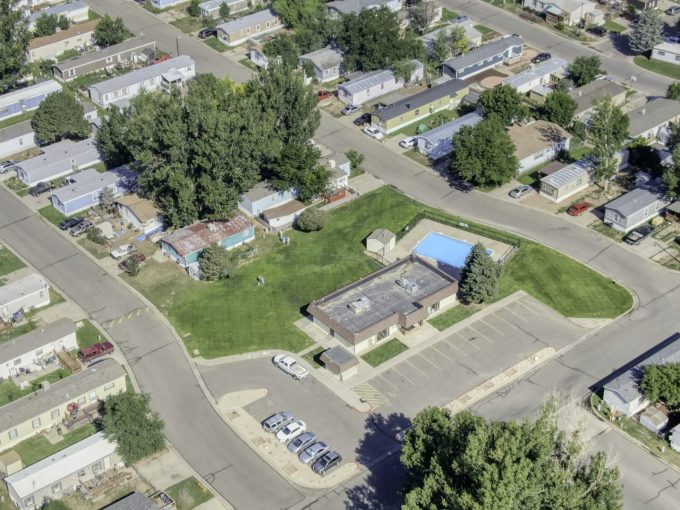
579 153
529 178
432 121
665 68
16 119
614 27
9 262
88 334
15 184
386 351
9 392
37 448
188 24
564 284
17 331
188 494
216 44
313 357
448 318
52 215
448 14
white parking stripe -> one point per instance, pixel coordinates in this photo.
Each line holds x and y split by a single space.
515 314
519 302
402 375
417 369
491 327
434 347
422 355
482 335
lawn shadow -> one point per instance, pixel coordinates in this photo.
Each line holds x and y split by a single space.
379 452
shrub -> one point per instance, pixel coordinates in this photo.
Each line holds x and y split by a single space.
96 236
312 220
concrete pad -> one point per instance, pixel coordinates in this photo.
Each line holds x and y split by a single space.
240 399
163 469
67 310
364 183
213 504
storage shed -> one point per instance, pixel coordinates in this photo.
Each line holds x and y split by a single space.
653 419
340 362
10 463
566 182
381 241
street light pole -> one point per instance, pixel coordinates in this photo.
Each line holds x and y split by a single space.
177 38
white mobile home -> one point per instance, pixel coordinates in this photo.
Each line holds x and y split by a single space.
16 138
26 99
25 294
368 86
57 160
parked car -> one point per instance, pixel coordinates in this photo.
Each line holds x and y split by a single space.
313 452
6 166
291 431
579 209
374 132
69 223
597 31
362 119
541 57
324 94
326 463
673 11
459 19
350 109
123 250
139 257
290 366
40 188
81 228
461 185
408 142
162 58
521 191
207 32
95 351
301 442
637 235
277 421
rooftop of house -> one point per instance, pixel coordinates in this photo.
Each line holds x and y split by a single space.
353 6
94 56
394 289
470 31
446 131
567 174
587 94
626 385
141 75
283 210
55 10
29 284
633 201
15 130
553 67
58 155
381 235
568 5
134 501
447 89
59 393
325 58
651 115
367 80
247 21
215 4
656 416
35 339
668 47
73 31
56 467
536 136
199 236
85 183
484 52
143 208
261 190
37 89
674 207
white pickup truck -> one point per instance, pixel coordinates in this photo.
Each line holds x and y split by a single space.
122 251
290 366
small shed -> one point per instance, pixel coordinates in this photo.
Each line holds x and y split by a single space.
10 463
340 362
653 419
674 438
381 241
673 211
106 229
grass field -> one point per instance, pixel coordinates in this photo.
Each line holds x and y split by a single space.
529 178
665 68
17 331
448 318
8 262
51 214
313 357
88 335
614 27
216 44
188 494
9 392
381 354
37 448
188 24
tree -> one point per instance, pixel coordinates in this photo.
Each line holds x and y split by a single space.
484 154
96 235
194 8
479 277
110 31
298 168
441 48
647 32
112 138
14 37
282 46
671 175
607 133
356 159
505 103
466 462
216 263
132 266
63 22
559 107
673 91
298 13
661 383
422 14
107 199
46 24
60 116
312 220
225 11
129 422
458 40
583 70
404 70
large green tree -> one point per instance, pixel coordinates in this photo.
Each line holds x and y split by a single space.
647 32
14 37
673 91
216 263
468 463
298 13
505 103
484 154
60 116
283 47
607 133
129 421
671 174
298 168
110 31
661 383
559 107
112 137
47 24
584 69
480 276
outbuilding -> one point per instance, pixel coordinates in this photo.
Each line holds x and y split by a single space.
24 294
673 211
340 362
653 419
10 463
567 181
674 438
381 241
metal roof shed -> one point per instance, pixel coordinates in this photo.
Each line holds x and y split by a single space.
340 362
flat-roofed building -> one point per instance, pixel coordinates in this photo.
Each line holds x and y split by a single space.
49 47
398 297
239 30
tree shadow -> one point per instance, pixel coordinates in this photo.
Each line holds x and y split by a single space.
621 44
379 451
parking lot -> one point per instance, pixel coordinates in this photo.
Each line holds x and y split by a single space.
467 358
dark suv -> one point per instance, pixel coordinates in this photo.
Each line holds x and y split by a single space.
598 31
461 185
362 119
637 235
40 188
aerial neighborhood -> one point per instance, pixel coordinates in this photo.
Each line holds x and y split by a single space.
318 254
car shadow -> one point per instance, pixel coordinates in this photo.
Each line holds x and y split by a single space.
382 488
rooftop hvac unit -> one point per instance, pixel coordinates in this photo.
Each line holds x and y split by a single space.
408 285
360 305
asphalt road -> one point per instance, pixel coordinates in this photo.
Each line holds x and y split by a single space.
192 426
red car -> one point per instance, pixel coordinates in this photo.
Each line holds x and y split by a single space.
324 94
579 209
162 59
95 351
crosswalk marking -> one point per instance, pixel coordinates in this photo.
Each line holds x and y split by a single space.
369 394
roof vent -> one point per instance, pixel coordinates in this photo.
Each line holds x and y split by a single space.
360 305
408 106
408 285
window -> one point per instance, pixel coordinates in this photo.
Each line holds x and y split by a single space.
55 414
257 28
645 211
93 396
434 307
109 386
13 434
56 488
616 217
81 472
677 58
383 334
247 30
382 86
29 502
36 423
17 361
82 400
417 111
268 24
109 60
